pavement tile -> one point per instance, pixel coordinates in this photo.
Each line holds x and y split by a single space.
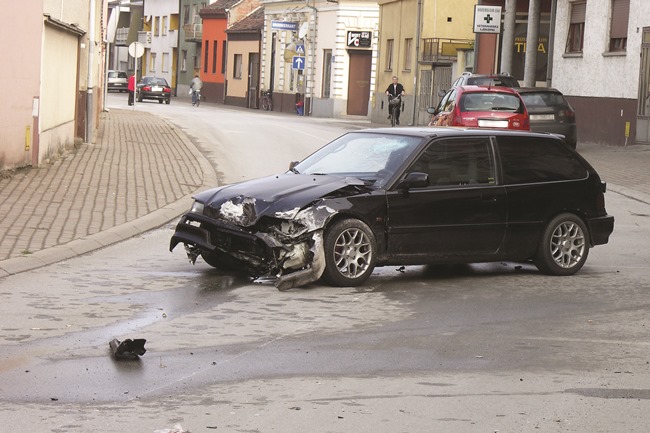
134 178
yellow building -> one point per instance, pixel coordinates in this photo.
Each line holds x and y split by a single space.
424 43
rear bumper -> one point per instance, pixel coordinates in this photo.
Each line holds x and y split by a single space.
600 228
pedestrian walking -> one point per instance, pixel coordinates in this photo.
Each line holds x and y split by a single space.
131 87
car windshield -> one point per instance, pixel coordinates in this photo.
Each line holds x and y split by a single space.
489 101
369 156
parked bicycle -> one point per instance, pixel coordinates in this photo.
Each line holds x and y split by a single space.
267 100
394 105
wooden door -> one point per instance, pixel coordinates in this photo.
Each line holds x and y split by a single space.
359 82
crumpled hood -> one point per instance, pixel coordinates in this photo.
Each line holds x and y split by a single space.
276 196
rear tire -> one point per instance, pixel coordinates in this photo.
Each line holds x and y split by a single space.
564 246
350 250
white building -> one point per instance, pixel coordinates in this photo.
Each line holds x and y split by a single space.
321 54
160 39
601 62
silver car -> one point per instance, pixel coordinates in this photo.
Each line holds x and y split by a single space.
118 81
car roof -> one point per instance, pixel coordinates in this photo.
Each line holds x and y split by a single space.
451 131
537 90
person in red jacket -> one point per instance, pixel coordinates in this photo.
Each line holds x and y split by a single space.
131 87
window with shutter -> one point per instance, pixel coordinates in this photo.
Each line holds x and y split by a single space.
575 38
618 29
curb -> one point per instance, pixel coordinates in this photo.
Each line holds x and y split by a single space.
122 232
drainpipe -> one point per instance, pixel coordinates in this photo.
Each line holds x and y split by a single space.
312 57
89 84
416 92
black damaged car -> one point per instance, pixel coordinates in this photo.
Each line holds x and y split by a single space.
405 196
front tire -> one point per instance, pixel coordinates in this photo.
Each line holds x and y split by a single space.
564 246
350 250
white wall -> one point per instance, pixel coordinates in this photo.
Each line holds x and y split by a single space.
597 73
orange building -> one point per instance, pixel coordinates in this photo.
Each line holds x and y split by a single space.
214 50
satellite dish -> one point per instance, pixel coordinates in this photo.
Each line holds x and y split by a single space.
303 30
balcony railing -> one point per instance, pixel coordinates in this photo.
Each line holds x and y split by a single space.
193 32
121 36
436 49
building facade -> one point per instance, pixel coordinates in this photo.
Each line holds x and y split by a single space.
55 95
320 56
243 64
602 63
424 56
160 35
190 43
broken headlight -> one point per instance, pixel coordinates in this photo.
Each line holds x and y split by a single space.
197 208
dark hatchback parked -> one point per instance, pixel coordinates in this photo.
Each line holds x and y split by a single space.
549 111
405 196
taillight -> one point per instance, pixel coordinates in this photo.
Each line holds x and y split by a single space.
146 88
458 118
567 114
167 90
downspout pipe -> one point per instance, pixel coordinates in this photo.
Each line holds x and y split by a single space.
312 57
416 92
89 84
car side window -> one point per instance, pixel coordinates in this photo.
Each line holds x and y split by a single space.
450 102
455 162
537 159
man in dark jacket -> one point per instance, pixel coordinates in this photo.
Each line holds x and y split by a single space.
393 90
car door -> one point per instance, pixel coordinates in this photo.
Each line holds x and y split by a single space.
462 212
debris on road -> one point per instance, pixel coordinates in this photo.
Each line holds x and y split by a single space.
128 348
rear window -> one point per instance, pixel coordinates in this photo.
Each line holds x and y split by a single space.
538 159
543 100
493 81
121 75
489 101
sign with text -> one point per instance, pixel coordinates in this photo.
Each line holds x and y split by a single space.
487 19
284 25
359 39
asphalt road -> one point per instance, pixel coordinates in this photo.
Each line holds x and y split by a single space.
479 348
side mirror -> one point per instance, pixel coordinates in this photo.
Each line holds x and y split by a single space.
442 93
432 111
292 164
414 180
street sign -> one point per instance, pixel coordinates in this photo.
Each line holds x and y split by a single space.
487 19
298 63
136 49
300 49
284 25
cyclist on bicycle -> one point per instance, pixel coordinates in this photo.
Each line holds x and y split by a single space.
394 89
195 87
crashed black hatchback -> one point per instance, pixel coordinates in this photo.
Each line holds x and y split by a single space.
405 196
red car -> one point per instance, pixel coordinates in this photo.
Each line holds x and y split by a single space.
483 107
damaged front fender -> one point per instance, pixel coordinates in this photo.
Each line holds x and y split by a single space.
286 246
